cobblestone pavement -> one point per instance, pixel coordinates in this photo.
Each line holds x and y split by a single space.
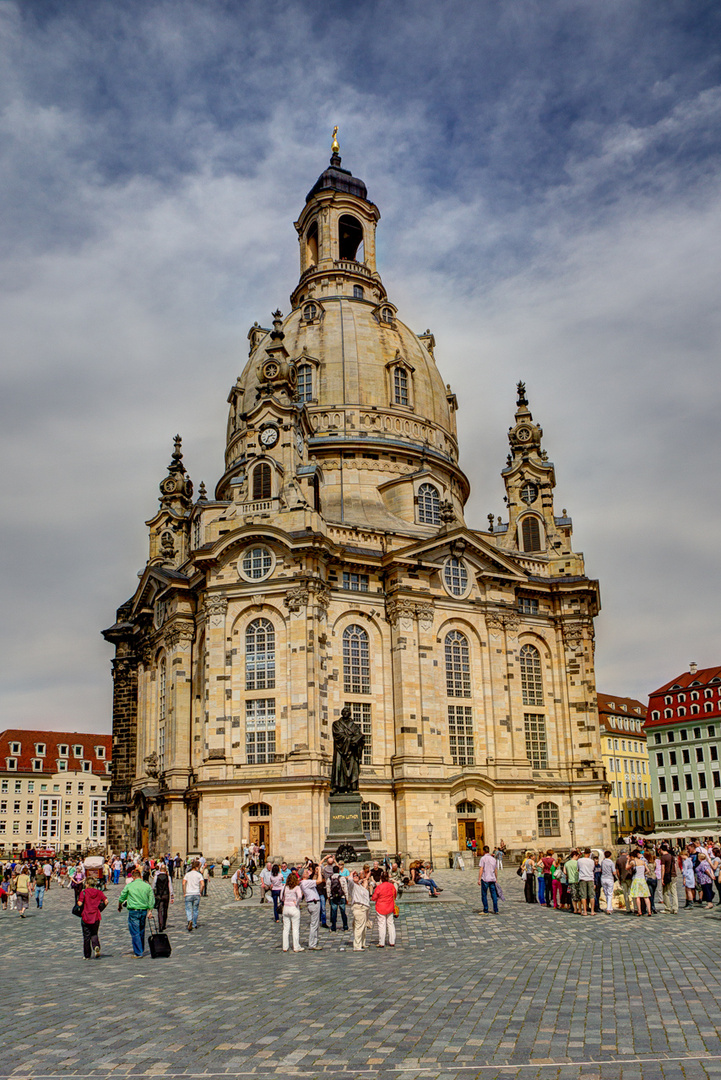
531 994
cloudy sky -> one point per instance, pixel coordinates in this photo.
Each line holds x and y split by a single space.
548 177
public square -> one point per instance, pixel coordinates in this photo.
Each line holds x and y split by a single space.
533 993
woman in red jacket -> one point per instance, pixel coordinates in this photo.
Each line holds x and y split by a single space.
92 900
384 898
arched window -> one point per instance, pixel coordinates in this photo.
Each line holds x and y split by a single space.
304 391
357 292
261 481
400 385
371 820
260 655
531 679
311 242
258 809
356 661
549 823
350 238
531 533
467 809
429 505
458 665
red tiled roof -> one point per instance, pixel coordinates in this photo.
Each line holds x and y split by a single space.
52 740
697 680
703 676
612 707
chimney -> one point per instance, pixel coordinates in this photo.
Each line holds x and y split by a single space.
693 667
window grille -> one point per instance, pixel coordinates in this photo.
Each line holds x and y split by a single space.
260 655
460 734
536 745
458 665
429 505
260 731
356 661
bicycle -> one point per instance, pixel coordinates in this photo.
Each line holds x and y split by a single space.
246 891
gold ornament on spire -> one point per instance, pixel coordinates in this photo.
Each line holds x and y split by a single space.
335 148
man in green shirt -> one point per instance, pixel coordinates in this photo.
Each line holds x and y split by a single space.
574 889
140 899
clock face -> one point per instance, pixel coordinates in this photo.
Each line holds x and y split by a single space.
300 443
269 436
529 493
270 370
523 434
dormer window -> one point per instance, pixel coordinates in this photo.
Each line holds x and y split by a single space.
400 386
77 751
387 315
310 312
87 766
14 747
100 752
63 750
40 749
37 765
429 505
304 386
12 764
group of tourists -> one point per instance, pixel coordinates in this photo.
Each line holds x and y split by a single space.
639 880
329 890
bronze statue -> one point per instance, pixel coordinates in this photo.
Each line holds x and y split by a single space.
348 740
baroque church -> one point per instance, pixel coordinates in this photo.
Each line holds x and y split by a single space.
333 565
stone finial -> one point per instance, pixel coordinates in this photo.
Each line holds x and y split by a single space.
521 391
276 333
490 522
202 493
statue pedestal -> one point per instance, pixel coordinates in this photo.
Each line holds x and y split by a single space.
345 825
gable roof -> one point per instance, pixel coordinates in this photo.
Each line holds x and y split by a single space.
701 677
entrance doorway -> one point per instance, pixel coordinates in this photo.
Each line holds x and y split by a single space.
470 826
259 827
259 833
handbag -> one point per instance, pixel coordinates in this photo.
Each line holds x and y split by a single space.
396 911
519 871
77 910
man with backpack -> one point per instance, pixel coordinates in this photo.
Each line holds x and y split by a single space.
164 894
337 887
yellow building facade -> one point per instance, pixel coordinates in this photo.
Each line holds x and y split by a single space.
625 757
333 565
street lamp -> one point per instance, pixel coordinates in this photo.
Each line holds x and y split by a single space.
572 828
429 826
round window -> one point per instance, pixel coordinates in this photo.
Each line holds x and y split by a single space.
455 576
256 563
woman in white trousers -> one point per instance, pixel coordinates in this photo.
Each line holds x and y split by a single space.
290 897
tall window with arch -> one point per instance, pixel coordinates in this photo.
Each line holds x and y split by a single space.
261 481
350 238
548 819
531 534
304 389
162 712
429 505
162 683
356 661
531 678
458 665
260 655
400 385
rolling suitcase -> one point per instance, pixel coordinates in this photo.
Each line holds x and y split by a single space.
159 944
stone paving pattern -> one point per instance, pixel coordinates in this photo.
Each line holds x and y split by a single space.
531 994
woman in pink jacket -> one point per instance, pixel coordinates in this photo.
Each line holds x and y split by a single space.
384 898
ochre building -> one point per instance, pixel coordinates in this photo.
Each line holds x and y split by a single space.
625 757
332 565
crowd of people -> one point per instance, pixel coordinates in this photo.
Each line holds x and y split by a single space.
641 880
589 881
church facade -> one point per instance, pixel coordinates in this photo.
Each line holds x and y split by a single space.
333 566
